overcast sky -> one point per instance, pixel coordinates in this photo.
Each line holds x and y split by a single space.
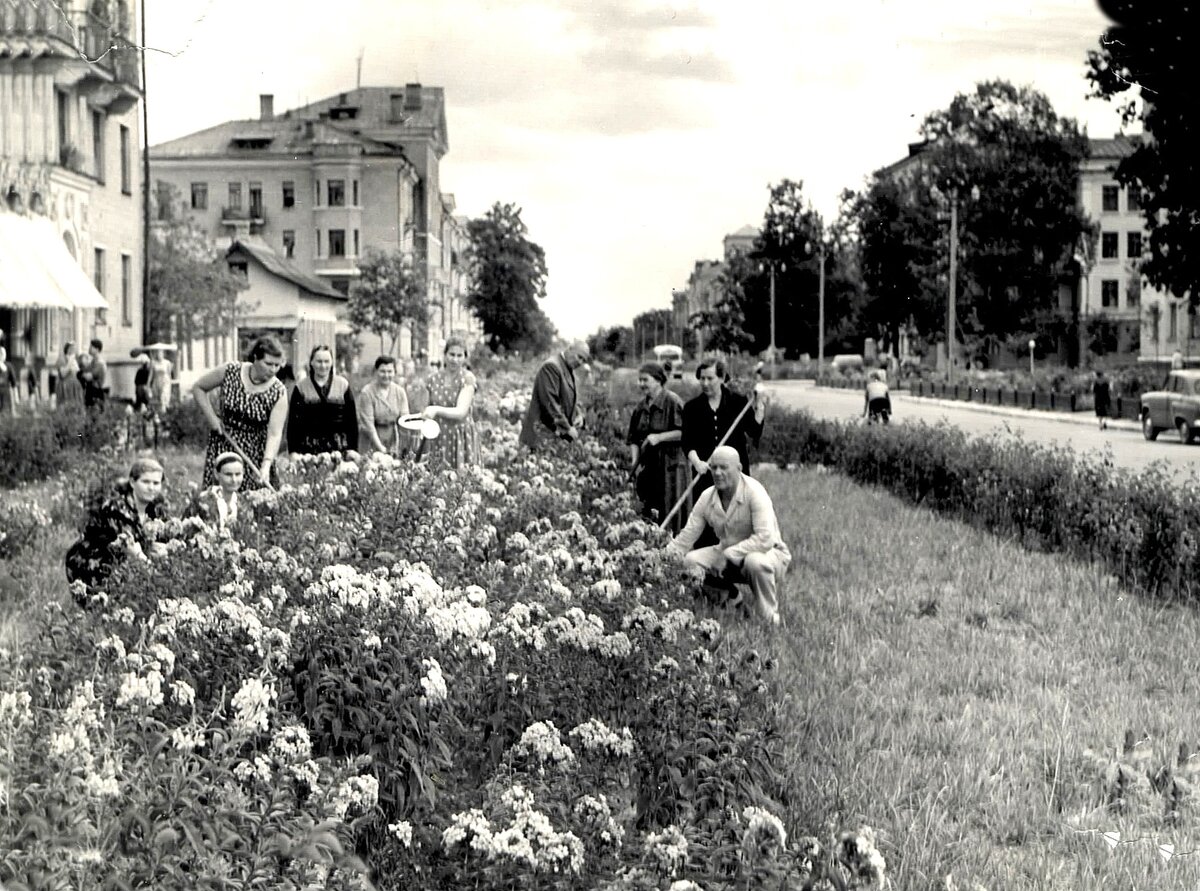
634 134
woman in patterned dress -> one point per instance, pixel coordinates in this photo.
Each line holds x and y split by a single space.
253 410
660 469
381 403
116 528
451 392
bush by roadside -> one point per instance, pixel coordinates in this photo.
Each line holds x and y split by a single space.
37 446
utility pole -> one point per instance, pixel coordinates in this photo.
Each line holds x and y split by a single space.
821 311
772 264
950 320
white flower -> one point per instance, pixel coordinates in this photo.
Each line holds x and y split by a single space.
372 641
258 770
252 707
359 793
15 707
667 849
182 693
291 744
595 737
141 692
402 832
187 739
765 831
433 683
541 744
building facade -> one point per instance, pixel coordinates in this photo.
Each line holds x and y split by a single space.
71 179
325 183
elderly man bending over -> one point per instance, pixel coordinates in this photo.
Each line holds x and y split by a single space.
740 513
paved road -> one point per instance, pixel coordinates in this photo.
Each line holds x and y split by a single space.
1079 432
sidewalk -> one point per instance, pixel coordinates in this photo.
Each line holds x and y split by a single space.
1081 418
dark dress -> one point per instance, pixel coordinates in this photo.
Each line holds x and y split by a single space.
322 419
92 559
1102 397
663 476
141 386
245 417
8 388
703 429
458 443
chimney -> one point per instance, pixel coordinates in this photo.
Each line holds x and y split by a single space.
266 106
412 97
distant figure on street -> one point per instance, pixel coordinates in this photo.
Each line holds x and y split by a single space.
878 403
750 549
160 380
1102 397
94 377
554 409
66 388
141 384
10 392
1176 360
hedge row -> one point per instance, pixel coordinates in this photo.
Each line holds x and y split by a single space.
35 447
1141 525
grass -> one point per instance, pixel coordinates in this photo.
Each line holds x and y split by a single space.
38 578
942 686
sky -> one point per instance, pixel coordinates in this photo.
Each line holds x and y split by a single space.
633 134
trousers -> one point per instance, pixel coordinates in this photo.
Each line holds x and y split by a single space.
761 570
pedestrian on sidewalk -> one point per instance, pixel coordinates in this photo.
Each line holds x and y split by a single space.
1102 397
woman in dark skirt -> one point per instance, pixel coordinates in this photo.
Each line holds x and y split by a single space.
660 470
321 413
116 528
253 410
1102 396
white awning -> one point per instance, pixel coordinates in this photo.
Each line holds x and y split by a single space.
37 270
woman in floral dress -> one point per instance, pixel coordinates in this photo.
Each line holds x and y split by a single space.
451 392
655 448
381 403
116 529
253 410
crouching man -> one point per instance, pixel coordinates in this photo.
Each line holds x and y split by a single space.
751 551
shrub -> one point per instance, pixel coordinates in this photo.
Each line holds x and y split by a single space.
184 424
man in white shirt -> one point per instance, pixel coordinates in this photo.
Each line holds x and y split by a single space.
739 511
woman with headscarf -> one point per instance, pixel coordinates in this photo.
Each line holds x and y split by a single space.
381 403
659 467
141 384
116 529
219 505
253 410
451 392
321 413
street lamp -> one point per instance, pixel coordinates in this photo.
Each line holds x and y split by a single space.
771 264
952 297
820 298
1032 344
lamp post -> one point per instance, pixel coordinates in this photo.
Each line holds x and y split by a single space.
771 264
952 291
1032 344
821 309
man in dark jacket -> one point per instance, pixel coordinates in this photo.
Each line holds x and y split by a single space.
554 408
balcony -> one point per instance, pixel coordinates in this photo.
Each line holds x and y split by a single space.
251 220
92 53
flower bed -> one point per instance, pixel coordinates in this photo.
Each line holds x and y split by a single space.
1140 524
491 679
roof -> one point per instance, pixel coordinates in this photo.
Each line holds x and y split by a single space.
277 265
1117 147
744 232
37 270
288 137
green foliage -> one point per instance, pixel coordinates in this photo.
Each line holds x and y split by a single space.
192 290
182 423
388 293
38 446
615 344
508 276
1140 525
1143 62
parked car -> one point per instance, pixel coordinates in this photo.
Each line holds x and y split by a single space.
1176 405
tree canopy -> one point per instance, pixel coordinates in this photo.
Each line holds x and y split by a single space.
388 295
1142 63
192 291
507 273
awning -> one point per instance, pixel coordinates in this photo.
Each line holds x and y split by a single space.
37 270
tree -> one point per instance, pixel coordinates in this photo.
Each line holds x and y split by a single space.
507 274
388 295
612 344
1011 165
192 291
722 326
1145 55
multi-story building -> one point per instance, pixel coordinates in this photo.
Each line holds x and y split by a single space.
71 258
703 290
323 183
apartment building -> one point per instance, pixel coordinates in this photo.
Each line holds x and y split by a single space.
322 184
71 258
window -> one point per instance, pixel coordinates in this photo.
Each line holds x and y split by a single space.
126 187
356 193
235 196
162 195
289 193
98 269
336 190
241 267
316 193
289 243
98 145
62 113
337 242
256 201
340 284
356 242
126 290
1110 294
1173 323
1133 245
317 233
1110 202
1133 290
199 196
1110 245
1133 197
